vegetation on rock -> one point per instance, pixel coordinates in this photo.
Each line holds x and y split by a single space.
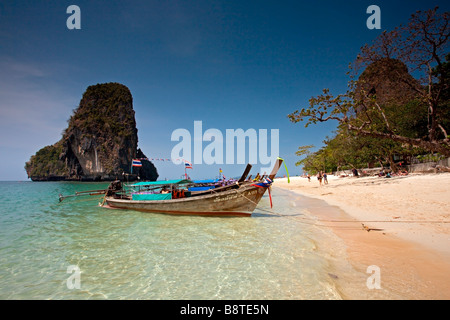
387 112
99 142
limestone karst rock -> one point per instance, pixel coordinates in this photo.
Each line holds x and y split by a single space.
99 143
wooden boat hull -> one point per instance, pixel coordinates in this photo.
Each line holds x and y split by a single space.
234 202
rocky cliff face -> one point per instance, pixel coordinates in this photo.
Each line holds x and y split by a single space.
387 80
99 143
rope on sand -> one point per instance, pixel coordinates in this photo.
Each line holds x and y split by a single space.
313 221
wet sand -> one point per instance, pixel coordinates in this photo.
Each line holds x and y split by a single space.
399 225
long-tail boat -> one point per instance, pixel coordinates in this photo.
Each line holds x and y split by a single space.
173 197
186 197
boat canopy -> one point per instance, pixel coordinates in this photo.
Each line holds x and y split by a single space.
160 183
207 181
151 196
201 188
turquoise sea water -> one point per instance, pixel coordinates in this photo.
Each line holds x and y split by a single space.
125 254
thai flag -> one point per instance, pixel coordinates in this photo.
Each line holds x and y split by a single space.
137 163
188 165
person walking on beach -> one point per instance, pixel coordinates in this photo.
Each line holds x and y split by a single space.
319 177
325 180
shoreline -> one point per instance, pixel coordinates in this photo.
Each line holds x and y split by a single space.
413 257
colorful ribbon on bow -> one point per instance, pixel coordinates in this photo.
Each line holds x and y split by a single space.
285 166
265 184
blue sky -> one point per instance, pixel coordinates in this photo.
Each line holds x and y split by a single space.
231 64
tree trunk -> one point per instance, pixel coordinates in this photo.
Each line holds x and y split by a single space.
392 164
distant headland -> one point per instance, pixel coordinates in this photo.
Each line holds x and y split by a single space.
99 143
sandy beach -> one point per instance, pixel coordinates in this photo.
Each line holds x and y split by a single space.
400 224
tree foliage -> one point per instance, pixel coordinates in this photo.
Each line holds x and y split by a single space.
105 108
387 108
46 162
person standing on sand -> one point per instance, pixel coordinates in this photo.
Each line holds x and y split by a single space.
319 177
325 180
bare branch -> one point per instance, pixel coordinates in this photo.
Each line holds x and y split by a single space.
443 131
384 117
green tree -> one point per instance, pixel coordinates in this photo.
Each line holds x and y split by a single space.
369 111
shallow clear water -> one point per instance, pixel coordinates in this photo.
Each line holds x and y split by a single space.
133 255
